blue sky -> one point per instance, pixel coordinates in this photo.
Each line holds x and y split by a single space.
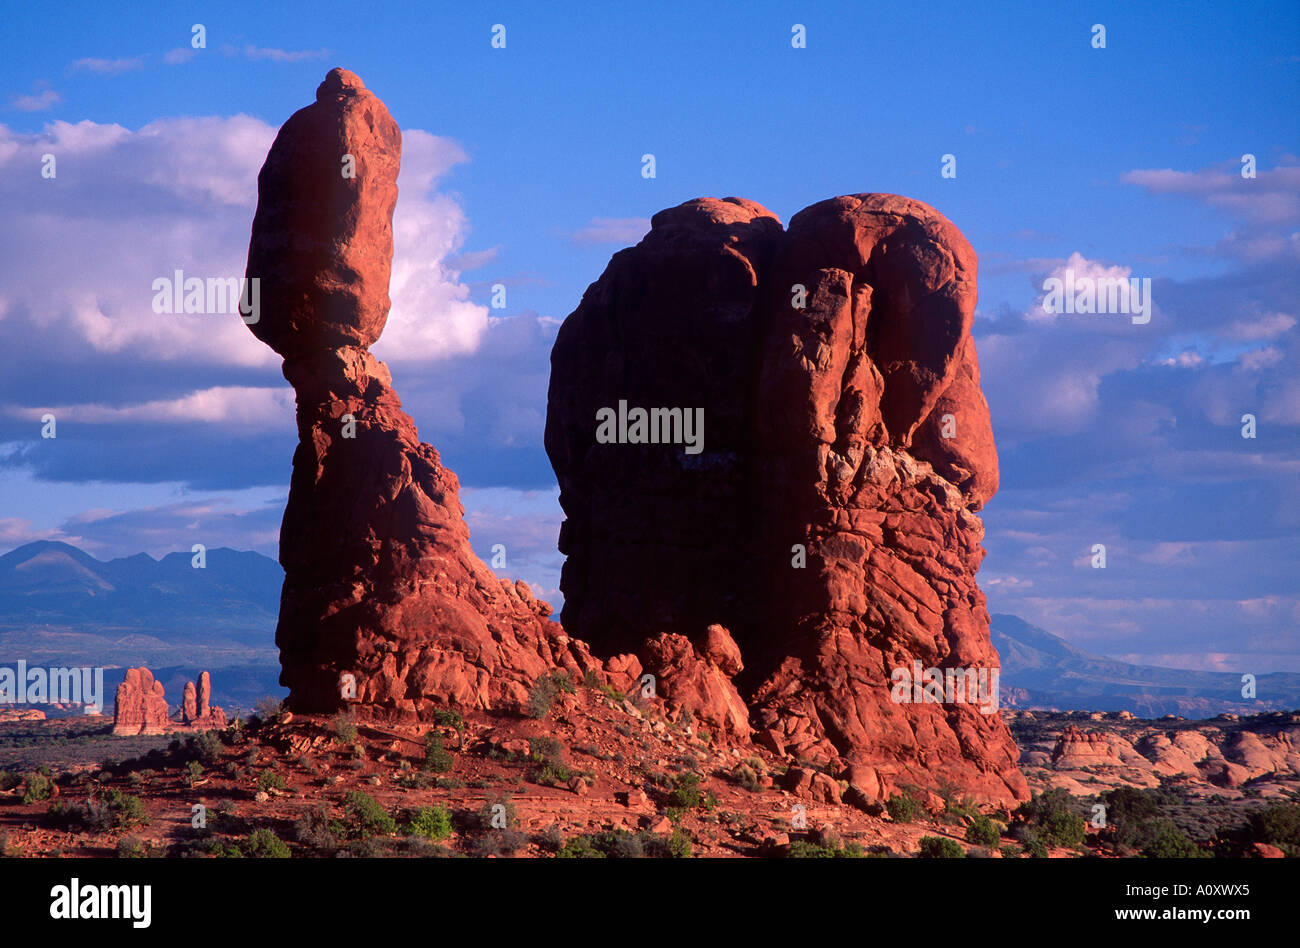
522 166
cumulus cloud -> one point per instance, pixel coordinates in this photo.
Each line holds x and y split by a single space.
78 257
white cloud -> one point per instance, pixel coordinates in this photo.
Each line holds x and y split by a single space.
79 253
1273 196
238 405
284 56
612 230
38 101
108 67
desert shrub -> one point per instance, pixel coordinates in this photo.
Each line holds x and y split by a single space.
39 787
806 849
903 807
206 746
544 692
270 780
686 794
1034 846
550 839
268 708
983 832
1009 851
264 844
744 776
312 829
940 847
437 759
126 810
1050 818
129 847
1277 825
344 727
482 821
504 842
621 844
1164 840
449 718
364 818
429 822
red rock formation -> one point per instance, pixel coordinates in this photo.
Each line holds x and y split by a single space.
697 677
140 707
382 590
829 520
197 711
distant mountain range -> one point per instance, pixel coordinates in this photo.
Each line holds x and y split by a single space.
1049 672
61 606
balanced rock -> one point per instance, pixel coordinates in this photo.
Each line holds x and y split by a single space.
384 602
800 449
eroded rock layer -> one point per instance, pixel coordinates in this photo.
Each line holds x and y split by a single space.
828 519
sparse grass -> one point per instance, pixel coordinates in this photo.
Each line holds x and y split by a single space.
344 727
544 692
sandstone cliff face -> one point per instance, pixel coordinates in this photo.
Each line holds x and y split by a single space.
384 602
828 522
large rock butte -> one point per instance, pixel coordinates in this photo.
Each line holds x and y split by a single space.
384 602
829 521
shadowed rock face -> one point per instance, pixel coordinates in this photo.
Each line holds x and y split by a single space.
829 521
384 602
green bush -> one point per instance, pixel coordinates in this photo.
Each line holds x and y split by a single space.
366 818
39 787
903 808
449 718
1050 818
344 727
621 844
270 780
803 849
437 759
1164 840
686 794
940 847
429 822
983 832
544 692
264 844
1277 825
